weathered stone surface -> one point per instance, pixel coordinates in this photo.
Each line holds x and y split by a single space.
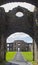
2 32
36 34
9 24
20 24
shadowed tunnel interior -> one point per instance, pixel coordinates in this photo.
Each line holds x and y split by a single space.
10 23
19 24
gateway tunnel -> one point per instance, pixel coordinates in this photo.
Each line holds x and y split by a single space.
10 23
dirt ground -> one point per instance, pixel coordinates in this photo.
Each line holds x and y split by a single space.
35 64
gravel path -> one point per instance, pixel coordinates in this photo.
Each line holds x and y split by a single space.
19 57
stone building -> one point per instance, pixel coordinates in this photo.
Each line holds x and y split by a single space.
10 47
19 45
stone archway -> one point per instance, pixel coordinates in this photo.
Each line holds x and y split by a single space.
10 23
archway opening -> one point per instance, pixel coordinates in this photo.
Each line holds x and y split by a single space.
20 42
10 6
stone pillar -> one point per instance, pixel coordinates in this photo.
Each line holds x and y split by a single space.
35 41
2 33
37 52
34 51
2 49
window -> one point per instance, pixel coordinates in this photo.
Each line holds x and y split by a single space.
19 14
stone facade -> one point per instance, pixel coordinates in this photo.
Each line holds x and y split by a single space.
23 46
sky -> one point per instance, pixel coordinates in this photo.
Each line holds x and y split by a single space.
10 6
21 35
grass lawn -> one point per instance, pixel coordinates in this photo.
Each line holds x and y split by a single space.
10 55
28 56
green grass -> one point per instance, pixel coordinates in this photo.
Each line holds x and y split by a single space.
28 56
10 55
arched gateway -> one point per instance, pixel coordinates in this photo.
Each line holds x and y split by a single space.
10 23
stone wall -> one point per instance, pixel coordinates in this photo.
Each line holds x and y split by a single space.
35 44
2 31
